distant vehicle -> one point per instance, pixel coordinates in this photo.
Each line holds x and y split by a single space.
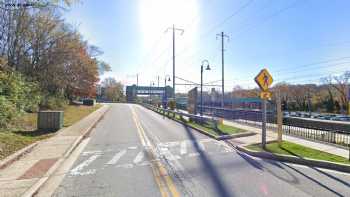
315 115
322 117
293 114
341 118
286 114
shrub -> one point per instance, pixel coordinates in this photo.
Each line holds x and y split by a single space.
171 104
53 102
16 96
89 102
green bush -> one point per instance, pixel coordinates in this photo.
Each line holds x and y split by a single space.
53 102
16 96
89 102
171 104
8 112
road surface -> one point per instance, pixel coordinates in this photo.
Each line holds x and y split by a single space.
137 152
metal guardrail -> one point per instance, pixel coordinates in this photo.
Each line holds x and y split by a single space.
203 120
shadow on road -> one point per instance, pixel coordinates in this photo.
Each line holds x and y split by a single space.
313 180
332 177
211 171
256 164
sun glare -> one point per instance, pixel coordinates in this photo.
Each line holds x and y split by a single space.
157 15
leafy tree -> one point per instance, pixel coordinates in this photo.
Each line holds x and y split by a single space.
113 90
16 96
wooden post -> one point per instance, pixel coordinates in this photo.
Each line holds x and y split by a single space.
279 118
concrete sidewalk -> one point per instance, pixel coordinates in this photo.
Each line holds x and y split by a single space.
27 174
272 135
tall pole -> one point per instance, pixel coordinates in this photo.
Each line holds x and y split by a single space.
208 68
137 80
201 90
309 102
158 81
150 92
222 35
182 31
222 70
174 61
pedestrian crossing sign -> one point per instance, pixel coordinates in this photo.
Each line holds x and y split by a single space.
264 80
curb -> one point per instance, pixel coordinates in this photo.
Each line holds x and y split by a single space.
33 190
297 160
223 137
17 155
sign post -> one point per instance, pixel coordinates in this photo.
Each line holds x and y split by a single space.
349 102
263 128
264 80
279 118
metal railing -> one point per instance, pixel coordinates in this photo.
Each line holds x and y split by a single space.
204 121
317 130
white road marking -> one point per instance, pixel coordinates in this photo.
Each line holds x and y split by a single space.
164 151
86 153
193 154
183 148
201 145
116 157
139 157
77 170
128 165
145 163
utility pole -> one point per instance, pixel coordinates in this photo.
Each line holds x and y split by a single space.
309 102
158 80
222 35
137 80
182 31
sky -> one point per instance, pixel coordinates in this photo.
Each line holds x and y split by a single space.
298 41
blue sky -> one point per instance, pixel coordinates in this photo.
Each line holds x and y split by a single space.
297 41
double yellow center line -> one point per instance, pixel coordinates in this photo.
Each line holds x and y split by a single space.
163 179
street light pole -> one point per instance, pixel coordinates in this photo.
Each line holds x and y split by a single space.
208 68
165 96
201 90
150 91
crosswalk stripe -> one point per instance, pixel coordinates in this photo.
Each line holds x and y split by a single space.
77 170
139 157
116 157
201 145
183 148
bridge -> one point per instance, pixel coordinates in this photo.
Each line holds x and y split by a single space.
133 91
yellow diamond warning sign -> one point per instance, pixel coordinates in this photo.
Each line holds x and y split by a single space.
264 80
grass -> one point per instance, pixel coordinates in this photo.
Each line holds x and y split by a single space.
292 149
74 113
24 132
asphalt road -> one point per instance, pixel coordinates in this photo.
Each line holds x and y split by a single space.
136 152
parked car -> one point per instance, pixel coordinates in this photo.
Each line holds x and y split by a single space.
294 114
341 118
